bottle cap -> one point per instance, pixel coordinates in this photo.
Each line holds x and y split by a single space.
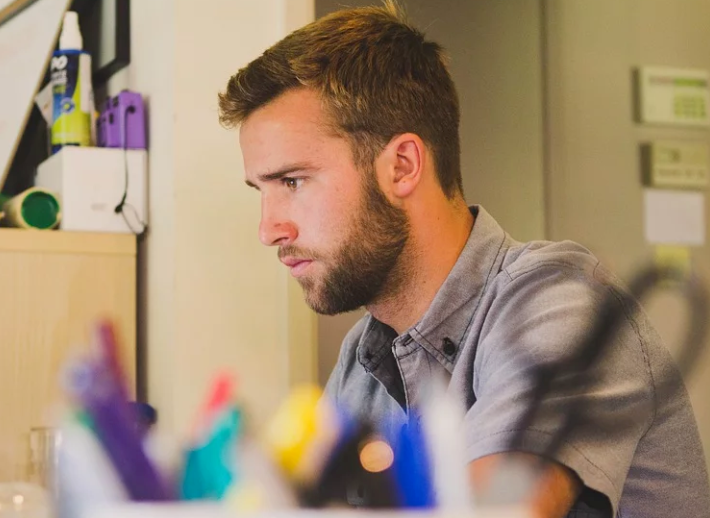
70 38
40 209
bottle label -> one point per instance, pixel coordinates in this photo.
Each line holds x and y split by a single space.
70 74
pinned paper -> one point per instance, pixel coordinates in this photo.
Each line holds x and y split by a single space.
674 217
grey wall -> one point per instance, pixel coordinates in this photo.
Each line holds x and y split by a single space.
495 56
550 146
595 194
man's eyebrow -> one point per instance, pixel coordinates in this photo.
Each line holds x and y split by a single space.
280 173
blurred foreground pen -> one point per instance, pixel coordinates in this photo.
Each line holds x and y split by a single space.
209 463
85 475
412 467
99 387
442 421
332 459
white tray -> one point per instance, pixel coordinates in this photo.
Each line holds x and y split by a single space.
186 510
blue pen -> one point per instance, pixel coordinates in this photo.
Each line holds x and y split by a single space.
412 467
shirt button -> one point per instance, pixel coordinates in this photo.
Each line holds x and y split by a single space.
449 347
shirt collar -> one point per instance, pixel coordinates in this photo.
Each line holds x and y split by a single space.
444 325
375 343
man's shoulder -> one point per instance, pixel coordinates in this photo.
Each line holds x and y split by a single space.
523 258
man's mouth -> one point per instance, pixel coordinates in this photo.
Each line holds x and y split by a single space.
296 265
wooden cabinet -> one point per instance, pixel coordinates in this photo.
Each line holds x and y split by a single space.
53 286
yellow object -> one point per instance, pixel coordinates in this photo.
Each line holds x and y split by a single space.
673 257
294 426
301 434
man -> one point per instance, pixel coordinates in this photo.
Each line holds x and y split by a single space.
349 131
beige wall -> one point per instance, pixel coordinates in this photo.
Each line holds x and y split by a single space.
495 56
151 72
595 192
213 298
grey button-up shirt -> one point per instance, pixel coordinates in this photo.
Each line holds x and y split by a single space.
505 308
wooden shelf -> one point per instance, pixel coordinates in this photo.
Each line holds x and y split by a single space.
55 285
57 241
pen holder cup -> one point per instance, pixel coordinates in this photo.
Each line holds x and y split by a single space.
44 444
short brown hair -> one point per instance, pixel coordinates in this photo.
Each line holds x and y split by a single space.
377 75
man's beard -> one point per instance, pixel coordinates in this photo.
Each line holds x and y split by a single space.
368 267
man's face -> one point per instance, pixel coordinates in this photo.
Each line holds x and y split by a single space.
335 229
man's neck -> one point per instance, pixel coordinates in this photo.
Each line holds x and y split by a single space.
436 241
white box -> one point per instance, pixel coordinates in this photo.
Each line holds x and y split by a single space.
90 182
674 96
677 164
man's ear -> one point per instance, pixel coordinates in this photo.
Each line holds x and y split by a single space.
401 164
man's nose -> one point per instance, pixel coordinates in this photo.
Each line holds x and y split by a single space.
275 229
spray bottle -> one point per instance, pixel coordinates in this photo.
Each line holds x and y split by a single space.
72 92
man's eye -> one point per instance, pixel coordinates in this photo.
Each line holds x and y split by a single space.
292 183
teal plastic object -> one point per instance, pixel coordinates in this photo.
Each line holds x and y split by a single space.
210 468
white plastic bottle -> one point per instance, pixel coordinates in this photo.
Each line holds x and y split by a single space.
72 92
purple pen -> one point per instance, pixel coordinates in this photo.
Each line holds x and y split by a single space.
106 344
102 395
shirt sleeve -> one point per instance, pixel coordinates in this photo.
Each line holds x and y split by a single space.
538 317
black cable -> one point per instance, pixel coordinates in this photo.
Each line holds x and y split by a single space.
576 370
119 209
